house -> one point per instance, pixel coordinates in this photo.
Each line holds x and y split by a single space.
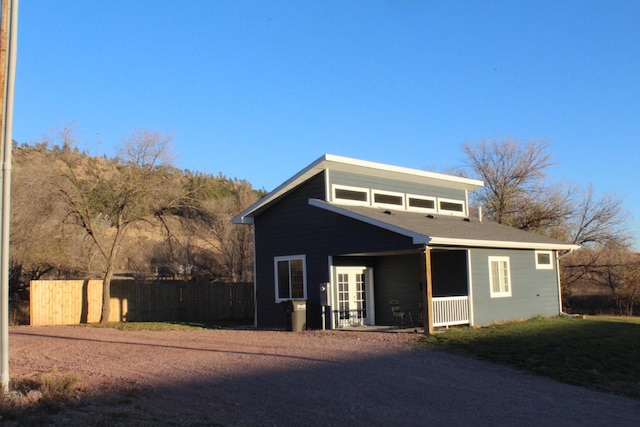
370 233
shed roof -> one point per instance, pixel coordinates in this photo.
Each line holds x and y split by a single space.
446 230
339 163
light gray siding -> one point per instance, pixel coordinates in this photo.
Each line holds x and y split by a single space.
533 292
355 180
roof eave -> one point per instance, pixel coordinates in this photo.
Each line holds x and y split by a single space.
502 244
246 216
240 219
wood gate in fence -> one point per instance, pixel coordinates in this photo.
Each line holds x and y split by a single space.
69 302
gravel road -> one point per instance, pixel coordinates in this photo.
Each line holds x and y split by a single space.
268 378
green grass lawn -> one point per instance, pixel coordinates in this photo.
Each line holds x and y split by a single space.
601 353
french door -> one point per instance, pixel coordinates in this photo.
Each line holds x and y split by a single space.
353 297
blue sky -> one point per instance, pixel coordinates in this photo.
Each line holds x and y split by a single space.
259 89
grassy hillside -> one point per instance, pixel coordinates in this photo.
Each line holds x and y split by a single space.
193 235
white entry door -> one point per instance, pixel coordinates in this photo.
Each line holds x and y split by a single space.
354 297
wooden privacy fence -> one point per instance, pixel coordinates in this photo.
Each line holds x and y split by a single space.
69 302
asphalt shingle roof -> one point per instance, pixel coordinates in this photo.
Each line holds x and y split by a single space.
445 229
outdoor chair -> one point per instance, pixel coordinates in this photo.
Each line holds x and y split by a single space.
400 316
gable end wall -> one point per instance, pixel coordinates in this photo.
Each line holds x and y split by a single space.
292 227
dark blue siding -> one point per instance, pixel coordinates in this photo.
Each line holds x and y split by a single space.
291 227
397 277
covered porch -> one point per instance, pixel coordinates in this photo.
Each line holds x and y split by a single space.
447 311
363 288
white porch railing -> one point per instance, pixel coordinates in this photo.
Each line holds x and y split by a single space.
349 318
449 311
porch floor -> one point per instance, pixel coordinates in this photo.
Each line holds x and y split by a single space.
388 329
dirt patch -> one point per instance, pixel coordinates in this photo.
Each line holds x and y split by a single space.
248 377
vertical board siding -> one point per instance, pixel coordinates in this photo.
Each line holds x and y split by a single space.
71 302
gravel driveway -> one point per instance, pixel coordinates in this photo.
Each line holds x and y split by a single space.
267 378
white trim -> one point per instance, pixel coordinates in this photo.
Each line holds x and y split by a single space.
501 293
540 266
363 190
369 295
556 257
463 212
255 284
333 279
466 182
470 290
327 186
417 238
419 209
277 259
466 206
330 297
501 244
387 205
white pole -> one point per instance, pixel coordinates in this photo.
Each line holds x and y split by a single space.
10 7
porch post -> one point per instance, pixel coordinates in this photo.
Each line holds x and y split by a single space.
427 295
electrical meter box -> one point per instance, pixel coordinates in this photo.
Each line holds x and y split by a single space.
324 294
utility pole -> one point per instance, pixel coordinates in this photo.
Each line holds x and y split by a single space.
8 51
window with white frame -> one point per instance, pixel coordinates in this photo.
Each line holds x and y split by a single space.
385 198
544 260
360 196
290 277
351 195
421 203
453 207
499 276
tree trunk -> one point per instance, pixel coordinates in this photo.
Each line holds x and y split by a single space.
106 296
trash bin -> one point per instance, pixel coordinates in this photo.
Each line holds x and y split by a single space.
298 316
287 307
295 312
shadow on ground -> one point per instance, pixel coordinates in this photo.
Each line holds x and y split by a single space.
307 379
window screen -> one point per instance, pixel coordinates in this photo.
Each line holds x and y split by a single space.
422 203
388 199
360 196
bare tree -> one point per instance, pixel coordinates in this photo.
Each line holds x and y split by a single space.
517 195
515 192
612 270
232 246
599 224
628 294
598 221
108 199
40 247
